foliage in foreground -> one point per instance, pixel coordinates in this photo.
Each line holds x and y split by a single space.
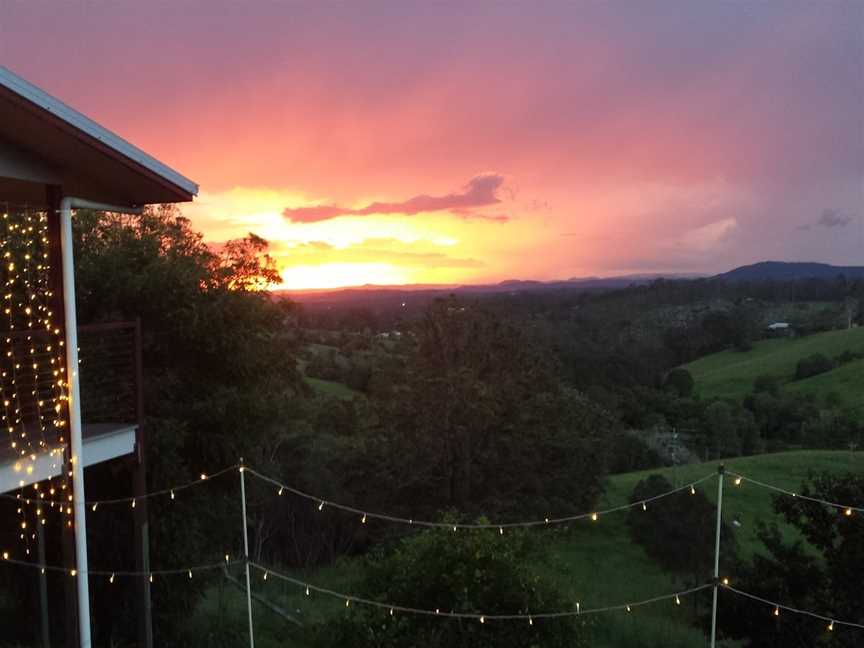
828 583
678 531
465 571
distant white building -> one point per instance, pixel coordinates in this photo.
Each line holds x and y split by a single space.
780 329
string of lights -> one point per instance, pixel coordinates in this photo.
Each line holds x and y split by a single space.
777 607
94 504
478 616
364 515
845 508
112 574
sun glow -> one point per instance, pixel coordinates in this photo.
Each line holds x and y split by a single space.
336 275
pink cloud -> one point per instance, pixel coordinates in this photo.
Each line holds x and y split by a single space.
480 191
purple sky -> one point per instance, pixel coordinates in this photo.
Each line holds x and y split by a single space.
429 142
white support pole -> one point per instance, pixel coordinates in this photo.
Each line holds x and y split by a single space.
76 444
246 555
720 471
73 391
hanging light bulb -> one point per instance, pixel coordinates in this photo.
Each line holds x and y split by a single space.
363 520
644 506
593 517
190 574
482 619
831 626
776 610
172 493
692 489
677 600
848 512
321 505
738 481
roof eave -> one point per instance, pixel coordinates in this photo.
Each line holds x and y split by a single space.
101 138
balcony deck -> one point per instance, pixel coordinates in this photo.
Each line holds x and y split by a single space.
102 442
110 381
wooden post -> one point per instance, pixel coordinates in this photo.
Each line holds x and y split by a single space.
142 531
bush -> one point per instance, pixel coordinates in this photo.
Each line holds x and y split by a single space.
813 365
465 571
681 381
848 356
677 531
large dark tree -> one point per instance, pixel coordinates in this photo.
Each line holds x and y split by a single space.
220 378
483 423
827 582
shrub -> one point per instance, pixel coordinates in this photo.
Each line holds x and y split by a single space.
813 365
681 381
678 530
465 571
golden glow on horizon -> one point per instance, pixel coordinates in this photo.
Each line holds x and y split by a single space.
338 275
443 248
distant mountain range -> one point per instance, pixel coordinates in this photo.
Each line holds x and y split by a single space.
372 294
377 294
788 271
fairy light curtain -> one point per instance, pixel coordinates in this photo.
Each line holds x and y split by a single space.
32 369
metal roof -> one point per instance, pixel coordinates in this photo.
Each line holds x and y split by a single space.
84 155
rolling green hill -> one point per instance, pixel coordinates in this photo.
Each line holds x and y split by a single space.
731 373
592 562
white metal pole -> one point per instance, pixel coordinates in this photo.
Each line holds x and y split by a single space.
73 391
246 555
76 444
720 471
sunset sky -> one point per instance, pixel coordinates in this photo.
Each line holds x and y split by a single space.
420 142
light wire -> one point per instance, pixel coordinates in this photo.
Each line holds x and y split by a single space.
789 493
108 572
322 502
789 608
120 500
674 596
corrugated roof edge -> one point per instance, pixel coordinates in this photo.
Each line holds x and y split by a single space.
39 97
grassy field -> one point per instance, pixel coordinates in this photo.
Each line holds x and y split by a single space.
594 563
731 373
